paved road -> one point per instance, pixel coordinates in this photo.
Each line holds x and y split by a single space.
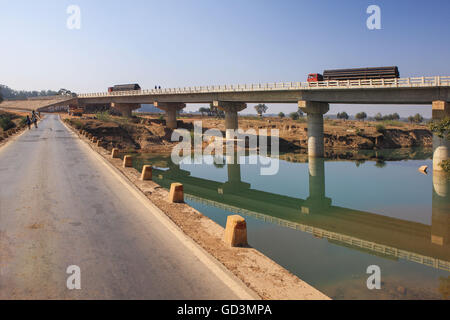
59 206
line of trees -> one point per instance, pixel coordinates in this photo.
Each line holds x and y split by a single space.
9 93
417 118
212 111
380 117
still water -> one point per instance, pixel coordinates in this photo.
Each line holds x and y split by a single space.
328 221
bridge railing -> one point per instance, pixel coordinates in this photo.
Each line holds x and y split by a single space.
436 81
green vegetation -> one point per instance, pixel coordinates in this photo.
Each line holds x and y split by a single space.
294 115
441 128
204 110
380 128
281 115
445 165
261 109
387 117
361 116
6 122
417 118
104 116
1 96
343 115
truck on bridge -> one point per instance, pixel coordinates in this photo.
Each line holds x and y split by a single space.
125 87
355 74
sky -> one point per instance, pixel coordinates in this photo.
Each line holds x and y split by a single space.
177 43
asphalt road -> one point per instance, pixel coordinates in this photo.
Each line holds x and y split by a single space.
60 206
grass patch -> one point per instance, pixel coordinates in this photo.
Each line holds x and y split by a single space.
6 123
380 128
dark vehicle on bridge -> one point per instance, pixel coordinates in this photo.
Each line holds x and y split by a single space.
355 74
125 87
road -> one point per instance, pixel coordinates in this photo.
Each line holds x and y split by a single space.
60 206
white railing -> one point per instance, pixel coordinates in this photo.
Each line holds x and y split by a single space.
322 233
418 82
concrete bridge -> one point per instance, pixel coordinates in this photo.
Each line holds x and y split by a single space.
312 97
370 232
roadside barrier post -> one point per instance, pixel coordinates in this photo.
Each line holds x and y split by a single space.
236 232
176 194
147 173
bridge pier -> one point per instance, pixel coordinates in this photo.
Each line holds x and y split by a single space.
171 109
441 147
315 112
231 110
126 109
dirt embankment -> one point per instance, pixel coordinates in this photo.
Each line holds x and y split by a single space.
148 134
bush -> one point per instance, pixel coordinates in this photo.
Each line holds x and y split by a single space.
441 128
380 128
6 123
294 115
445 164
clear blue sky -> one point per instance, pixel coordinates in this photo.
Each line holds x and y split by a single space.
203 42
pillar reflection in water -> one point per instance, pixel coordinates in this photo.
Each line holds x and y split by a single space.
317 199
440 228
234 182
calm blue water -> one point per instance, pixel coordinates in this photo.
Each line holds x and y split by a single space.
327 221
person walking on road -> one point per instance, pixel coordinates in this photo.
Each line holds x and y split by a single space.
28 122
34 118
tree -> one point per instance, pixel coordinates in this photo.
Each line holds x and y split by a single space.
378 117
1 97
361 116
396 116
343 115
411 119
294 115
418 118
281 115
215 111
261 109
204 110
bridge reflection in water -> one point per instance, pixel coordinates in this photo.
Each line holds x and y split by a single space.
370 232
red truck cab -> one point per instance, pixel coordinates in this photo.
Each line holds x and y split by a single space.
315 77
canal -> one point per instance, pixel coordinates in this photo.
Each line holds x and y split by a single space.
328 221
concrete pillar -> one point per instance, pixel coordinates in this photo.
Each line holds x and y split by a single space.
126 109
231 110
315 112
171 109
171 118
441 147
